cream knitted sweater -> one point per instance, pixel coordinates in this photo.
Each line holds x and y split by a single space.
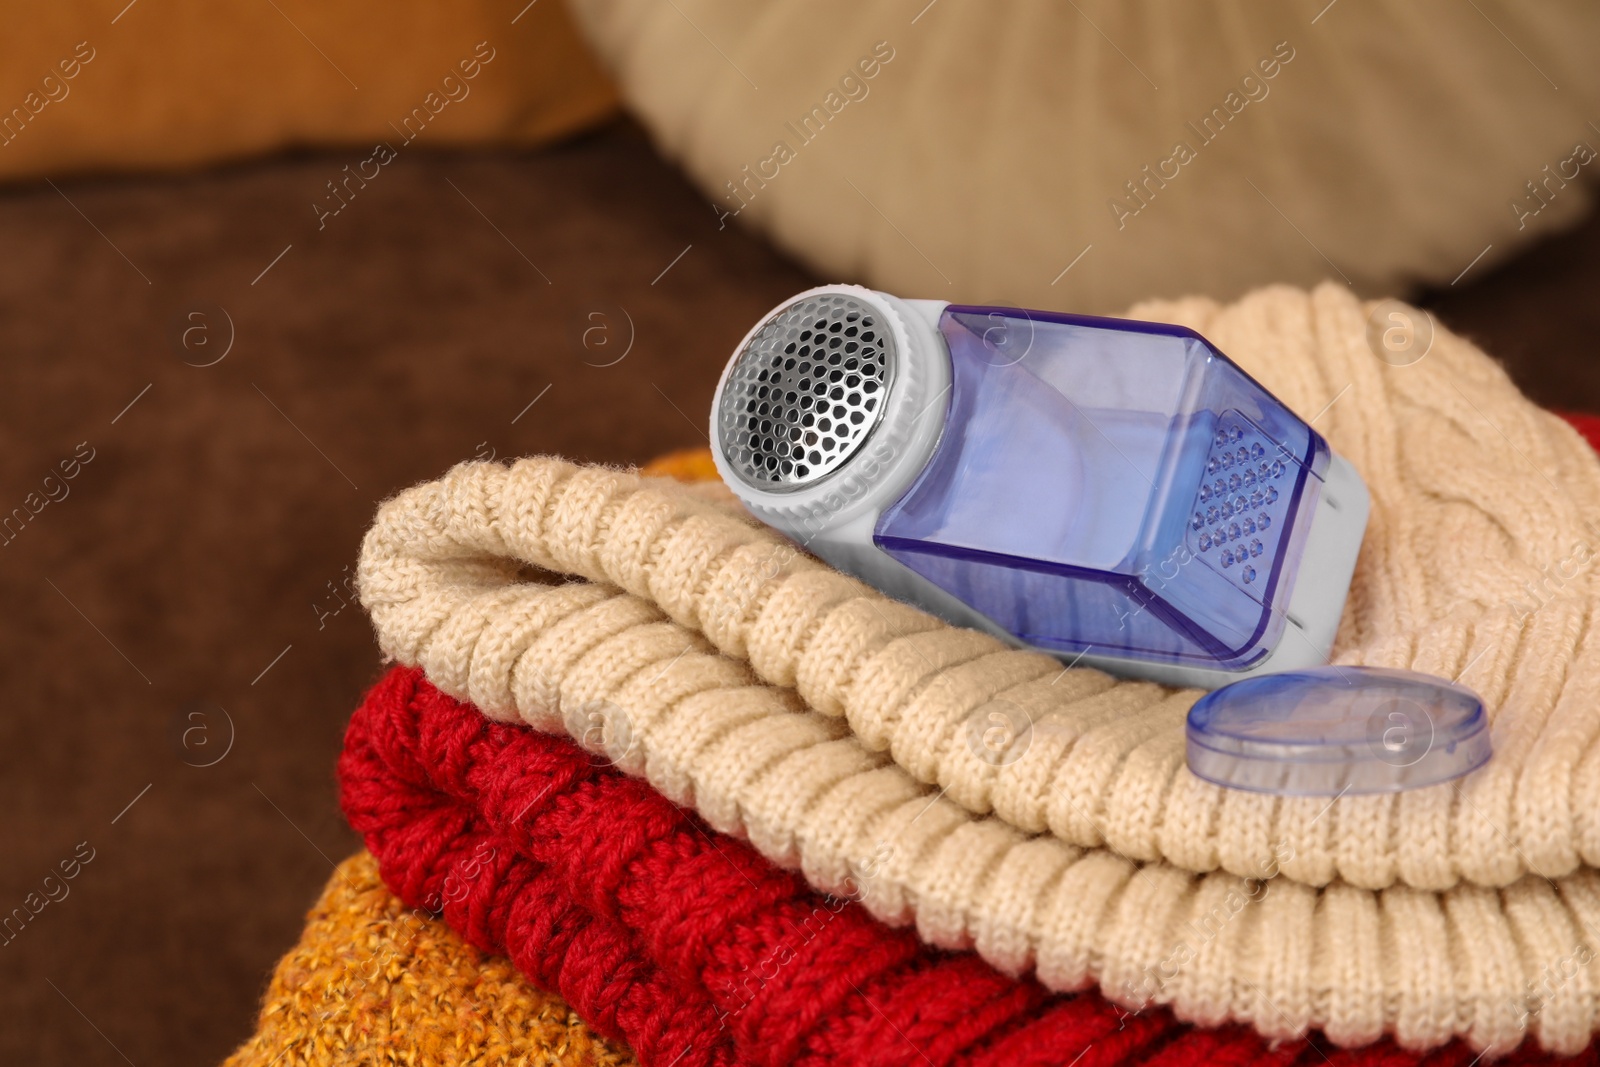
834 727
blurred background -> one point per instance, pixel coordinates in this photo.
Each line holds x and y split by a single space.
263 264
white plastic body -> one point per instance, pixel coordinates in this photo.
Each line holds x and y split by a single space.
835 518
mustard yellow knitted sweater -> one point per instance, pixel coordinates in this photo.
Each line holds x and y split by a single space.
373 982
831 726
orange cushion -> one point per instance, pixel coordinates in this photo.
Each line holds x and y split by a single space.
113 85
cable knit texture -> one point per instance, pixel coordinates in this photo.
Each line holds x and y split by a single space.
373 983
798 708
531 845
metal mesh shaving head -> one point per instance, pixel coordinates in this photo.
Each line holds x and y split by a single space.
806 392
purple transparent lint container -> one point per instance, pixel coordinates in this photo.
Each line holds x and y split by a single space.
1118 493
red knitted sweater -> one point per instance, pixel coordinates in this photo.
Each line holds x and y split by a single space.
693 948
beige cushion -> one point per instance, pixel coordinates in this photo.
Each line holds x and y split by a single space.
1385 143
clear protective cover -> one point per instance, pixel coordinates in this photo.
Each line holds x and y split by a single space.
1110 485
1331 731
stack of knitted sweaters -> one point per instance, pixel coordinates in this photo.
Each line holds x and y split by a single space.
735 807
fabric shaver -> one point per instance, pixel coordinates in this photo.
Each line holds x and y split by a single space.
1116 493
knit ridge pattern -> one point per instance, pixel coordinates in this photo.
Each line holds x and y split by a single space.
692 947
796 707
373 982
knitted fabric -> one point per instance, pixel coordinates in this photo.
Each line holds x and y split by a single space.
372 982
1480 509
769 691
693 465
1587 425
530 844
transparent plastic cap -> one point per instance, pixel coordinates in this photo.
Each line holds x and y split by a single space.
1111 485
1330 731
